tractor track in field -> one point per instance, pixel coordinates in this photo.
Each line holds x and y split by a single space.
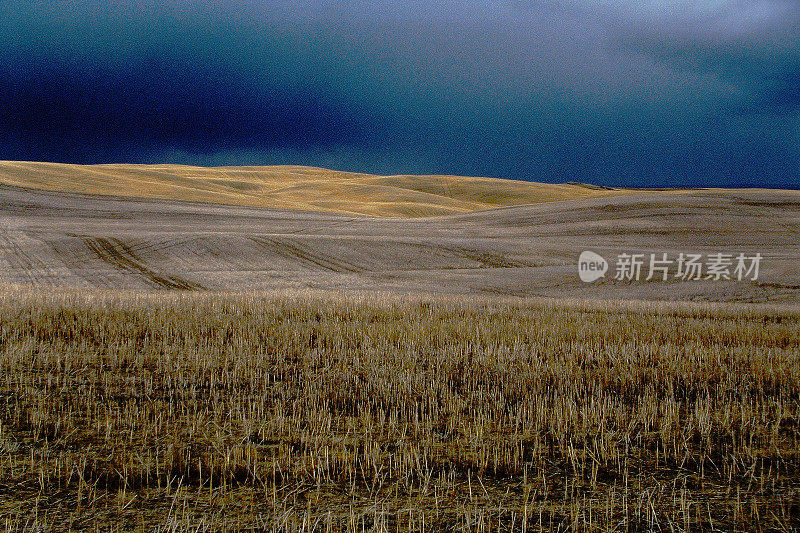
486 259
122 257
51 239
295 251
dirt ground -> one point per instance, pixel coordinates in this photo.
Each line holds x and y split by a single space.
63 239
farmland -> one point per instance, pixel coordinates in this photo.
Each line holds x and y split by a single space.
188 353
325 411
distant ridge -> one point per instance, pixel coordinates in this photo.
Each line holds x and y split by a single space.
294 187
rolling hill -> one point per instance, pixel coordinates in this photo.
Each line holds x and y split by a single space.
293 187
75 240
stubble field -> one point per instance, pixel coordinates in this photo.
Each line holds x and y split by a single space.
325 411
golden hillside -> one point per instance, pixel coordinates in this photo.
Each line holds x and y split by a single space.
293 187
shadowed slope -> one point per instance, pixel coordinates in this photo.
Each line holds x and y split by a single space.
293 187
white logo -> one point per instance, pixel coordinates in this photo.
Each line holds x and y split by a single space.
688 266
591 266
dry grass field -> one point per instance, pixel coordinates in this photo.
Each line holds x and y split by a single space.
293 187
332 412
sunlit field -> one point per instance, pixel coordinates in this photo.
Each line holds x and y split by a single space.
328 412
295 187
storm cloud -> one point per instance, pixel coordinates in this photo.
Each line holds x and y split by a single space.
668 93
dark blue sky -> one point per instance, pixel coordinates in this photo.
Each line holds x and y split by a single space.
643 93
